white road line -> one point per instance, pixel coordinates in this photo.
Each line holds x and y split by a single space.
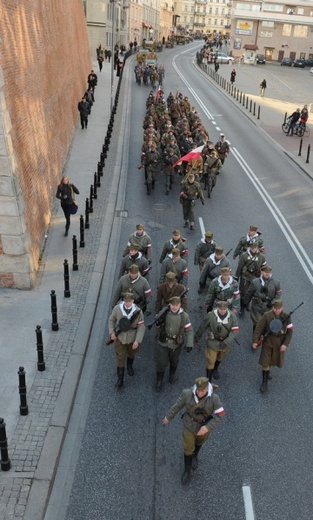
201 224
246 491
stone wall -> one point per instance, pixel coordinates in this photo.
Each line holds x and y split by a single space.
44 63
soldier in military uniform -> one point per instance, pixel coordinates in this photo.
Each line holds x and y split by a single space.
223 288
169 160
126 342
274 344
174 263
137 258
167 290
177 242
175 331
222 148
212 267
203 413
249 267
253 235
222 327
143 240
211 168
263 292
151 162
190 191
134 283
204 249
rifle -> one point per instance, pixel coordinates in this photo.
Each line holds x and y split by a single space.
276 325
160 317
123 325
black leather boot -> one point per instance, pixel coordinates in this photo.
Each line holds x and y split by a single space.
172 375
194 462
209 374
120 377
159 382
263 387
242 309
215 370
187 471
130 370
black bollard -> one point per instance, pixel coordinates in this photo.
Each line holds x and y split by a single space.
22 391
285 118
91 197
250 110
39 343
254 106
97 185
5 461
259 112
240 97
67 292
247 102
102 159
237 94
300 147
54 312
82 232
87 214
308 154
75 263
243 98
100 168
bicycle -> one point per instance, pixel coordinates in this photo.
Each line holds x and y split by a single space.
302 130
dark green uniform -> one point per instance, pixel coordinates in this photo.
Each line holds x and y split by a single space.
249 267
189 193
228 292
203 250
262 292
245 241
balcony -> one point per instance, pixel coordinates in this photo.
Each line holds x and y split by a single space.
199 24
227 26
202 2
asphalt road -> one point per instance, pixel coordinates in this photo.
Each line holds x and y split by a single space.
129 464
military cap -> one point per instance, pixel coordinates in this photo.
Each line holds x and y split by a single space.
266 269
202 383
253 244
219 249
170 276
253 228
170 150
222 305
175 300
225 270
208 234
278 304
134 246
128 297
140 226
176 232
222 135
175 251
194 169
134 269
190 174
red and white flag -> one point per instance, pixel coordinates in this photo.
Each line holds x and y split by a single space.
193 154
159 92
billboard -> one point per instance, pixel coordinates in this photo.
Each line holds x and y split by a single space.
244 27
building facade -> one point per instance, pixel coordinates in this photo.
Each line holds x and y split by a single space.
203 16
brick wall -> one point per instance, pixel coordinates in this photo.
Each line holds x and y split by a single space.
44 62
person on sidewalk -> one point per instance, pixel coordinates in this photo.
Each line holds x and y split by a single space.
233 76
127 338
84 111
92 79
203 413
262 88
275 341
65 193
293 119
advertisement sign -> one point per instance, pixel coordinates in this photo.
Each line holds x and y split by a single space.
237 43
244 27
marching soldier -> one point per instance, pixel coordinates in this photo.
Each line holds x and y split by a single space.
191 191
169 160
223 288
137 258
174 263
177 242
253 235
275 339
142 239
204 249
263 292
211 168
222 148
151 162
249 267
222 327
212 267
127 337
175 331
167 290
203 413
134 283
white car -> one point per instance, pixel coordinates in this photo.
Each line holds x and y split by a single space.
311 71
222 57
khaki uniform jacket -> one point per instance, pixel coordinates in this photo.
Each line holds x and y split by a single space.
227 293
249 266
203 250
140 287
137 328
175 324
179 268
212 268
191 191
210 405
165 292
263 292
144 243
222 147
170 245
140 260
245 241
221 331
270 353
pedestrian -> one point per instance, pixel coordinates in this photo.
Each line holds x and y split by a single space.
131 44
90 97
253 235
293 119
165 291
92 79
204 249
66 194
263 292
212 267
233 76
135 45
304 115
275 327
223 288
134 283
203 413
174 263
84 111
100 57
141 238
262 88
109 55
190 192
222 148
127 337
134 257
175 331
178 242
119 66
216 66
249 267
151 161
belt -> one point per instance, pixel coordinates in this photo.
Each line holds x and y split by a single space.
204 421
171 337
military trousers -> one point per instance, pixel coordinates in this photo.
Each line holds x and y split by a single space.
165 356
213 355
188 210
124 351
244 285
191 440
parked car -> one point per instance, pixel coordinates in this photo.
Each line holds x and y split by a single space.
309 62
311 71
287 62
222 57
299 63
260 58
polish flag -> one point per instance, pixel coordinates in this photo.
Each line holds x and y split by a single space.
159 92
193 154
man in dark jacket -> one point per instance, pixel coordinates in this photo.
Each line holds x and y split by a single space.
293 119
84 110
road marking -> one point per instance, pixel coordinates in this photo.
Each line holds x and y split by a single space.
246 491
201 226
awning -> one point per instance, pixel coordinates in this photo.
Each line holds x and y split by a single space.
250 47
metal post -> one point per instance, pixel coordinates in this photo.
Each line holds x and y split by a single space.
105 150
40 357
308 154
87 214
254 106
247 101
300 146
237 94
102 159
259 112
243 98
67 292
82 232
96 184
54 312
100 168
22 391
75 264
285 118
5 461
240 97
250 110
91 199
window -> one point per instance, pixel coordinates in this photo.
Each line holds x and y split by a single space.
222 23
267 24
216 10
215 21
210 10
300 10
273 7
286 29
300 31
